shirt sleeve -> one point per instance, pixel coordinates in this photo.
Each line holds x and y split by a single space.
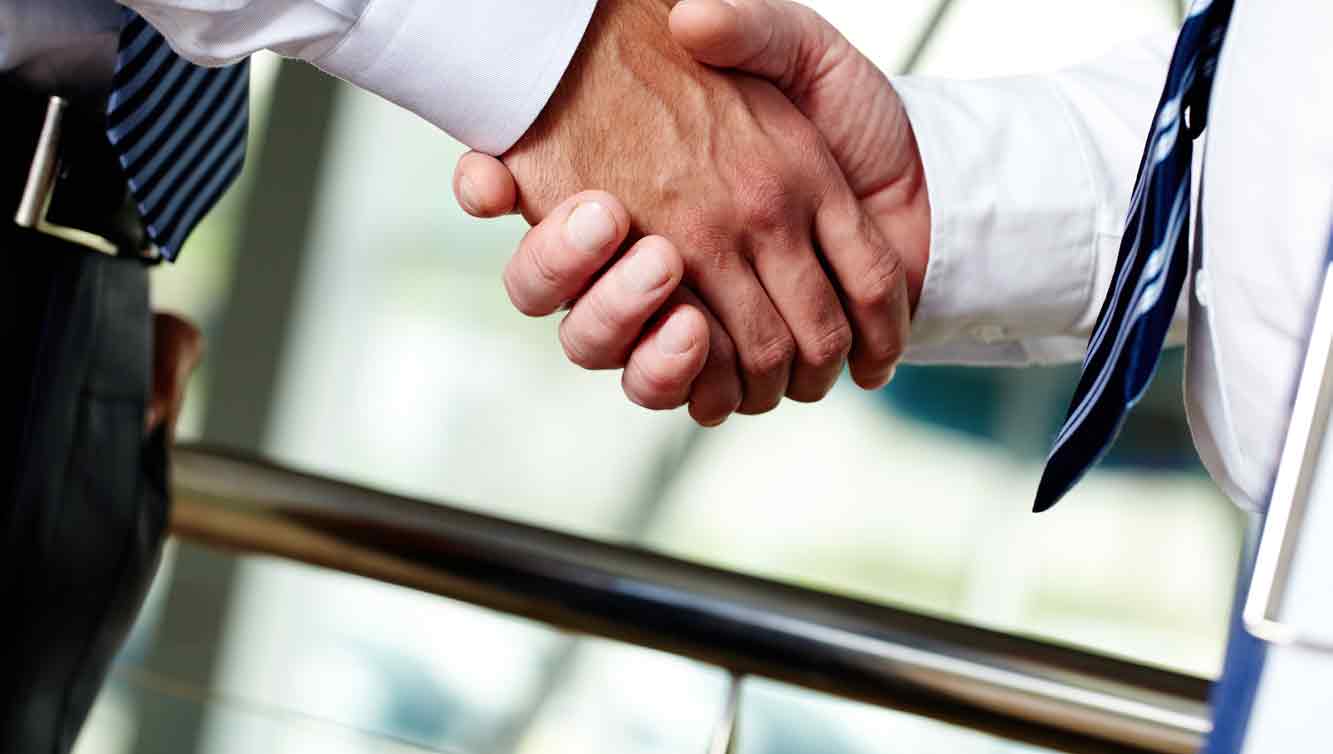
1029 180
60 46
481 70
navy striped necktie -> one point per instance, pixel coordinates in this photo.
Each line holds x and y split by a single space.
179 130
1152 266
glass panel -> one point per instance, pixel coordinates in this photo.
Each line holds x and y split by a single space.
609 698
235 726
346 665
196 286
780 719
409 370
381 658
315 657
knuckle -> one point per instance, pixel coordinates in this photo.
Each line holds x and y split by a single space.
547 276
831 348
765 202
601 331
883 283
722 357
878 355
765 217
770 359
711 235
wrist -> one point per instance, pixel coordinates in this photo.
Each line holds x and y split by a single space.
625 77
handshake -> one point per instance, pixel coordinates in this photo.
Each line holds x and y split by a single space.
760 218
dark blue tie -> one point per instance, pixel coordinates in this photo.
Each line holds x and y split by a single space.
179 130
1152 266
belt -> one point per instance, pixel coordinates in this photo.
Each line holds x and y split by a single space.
60 176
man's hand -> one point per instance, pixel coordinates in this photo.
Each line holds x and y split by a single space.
635 315
563 261
732 173
177 348
847 98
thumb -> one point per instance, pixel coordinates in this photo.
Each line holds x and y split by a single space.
776 40
840 90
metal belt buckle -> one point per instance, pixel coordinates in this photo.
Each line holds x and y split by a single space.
41 185
1292 489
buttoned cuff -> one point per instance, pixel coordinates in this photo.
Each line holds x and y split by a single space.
1014 248
481 71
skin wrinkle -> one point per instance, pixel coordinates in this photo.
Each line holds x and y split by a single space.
818 66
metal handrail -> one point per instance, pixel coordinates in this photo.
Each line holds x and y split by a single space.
1014 687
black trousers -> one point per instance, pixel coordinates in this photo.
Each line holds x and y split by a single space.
85 499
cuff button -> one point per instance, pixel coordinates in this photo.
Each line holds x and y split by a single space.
989 333
1201 288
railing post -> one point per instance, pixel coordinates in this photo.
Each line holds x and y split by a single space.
725 734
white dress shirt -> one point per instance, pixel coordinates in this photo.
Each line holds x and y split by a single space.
1029 181
60 46
482 70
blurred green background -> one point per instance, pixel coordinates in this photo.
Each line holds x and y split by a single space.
384 351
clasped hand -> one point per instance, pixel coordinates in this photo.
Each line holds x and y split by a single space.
752 230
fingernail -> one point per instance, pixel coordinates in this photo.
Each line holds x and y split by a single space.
676 336
590 228
467 194
887 378
645 271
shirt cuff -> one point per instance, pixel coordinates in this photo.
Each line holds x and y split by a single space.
481 71
1014 251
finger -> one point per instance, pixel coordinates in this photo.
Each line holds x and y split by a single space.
772 39
484 187
874 287
764 344
177 350
717 392
604 324
561 255
802 293
664 364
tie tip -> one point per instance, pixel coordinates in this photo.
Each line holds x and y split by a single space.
1049 492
